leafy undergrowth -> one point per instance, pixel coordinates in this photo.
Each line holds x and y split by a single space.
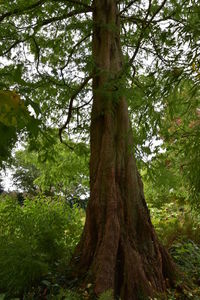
38 238
36 243
179 230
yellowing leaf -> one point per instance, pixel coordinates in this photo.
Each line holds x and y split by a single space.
10 106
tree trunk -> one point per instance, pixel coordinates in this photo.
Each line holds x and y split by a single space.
119 249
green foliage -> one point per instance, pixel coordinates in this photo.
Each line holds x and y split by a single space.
187 256
35 240
163 184
178 229
174 223
52 168
71 295
182 136
174 172
107 295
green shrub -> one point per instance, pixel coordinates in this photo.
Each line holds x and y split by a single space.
107 295
64 295
187 256
34 239
174 223
179 229
70 295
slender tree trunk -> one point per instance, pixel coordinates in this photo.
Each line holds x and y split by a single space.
118 249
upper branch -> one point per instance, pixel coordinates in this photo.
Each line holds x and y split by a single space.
22 11
127 7
87 79
62 17
157 11
146 23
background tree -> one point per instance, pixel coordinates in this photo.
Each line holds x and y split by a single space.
69 43
53 169
182 137
177 168
171 164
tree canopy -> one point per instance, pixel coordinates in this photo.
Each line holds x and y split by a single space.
46 47
47 59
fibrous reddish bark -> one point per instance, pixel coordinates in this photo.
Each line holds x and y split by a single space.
119 249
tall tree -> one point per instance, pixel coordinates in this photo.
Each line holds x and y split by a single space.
118 245
49 46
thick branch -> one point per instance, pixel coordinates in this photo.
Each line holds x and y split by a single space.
71 106
22 11
50 20
63 17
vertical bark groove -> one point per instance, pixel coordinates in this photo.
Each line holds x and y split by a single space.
119 249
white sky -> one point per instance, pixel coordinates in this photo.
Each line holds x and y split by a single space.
7 180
